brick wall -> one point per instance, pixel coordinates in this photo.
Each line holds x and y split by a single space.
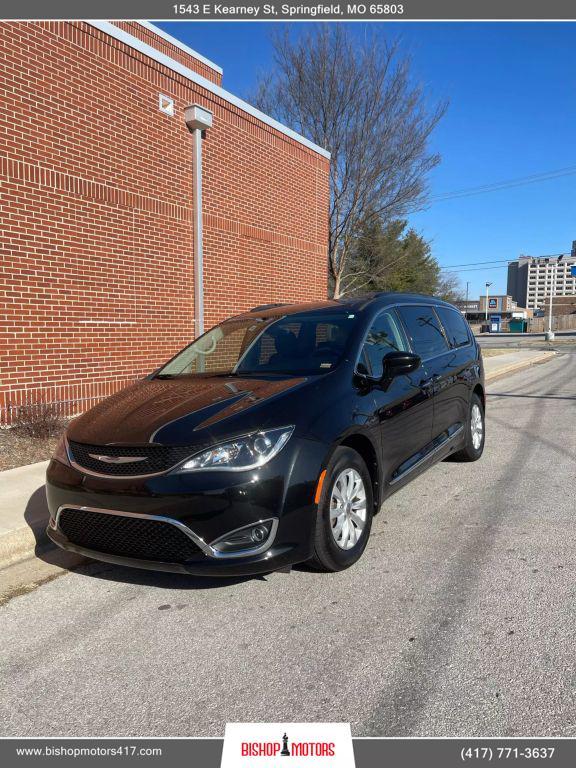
561 305
96 272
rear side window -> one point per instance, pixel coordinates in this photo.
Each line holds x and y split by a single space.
455 326
424 330
385 335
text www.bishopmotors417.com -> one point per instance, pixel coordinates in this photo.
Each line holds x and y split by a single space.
123 750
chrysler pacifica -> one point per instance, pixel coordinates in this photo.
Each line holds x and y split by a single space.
272 439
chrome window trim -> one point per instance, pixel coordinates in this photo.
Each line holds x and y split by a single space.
432 307
198 540
468 329
410 345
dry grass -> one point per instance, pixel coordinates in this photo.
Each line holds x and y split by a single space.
39 420
18 450
32 437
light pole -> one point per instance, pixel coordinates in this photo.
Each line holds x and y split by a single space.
550 332
198 120
466 304
487 286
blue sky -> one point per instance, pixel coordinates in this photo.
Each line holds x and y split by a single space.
512 93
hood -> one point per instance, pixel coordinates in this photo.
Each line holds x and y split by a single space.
182 411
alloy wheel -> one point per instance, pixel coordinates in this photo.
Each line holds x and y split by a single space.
476 426
348 509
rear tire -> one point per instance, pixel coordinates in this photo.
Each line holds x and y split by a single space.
475 432
345 512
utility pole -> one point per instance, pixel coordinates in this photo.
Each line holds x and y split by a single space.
466 304
487 286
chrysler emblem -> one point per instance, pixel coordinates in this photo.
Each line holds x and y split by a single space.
117 459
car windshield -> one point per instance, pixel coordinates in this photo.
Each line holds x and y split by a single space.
299 344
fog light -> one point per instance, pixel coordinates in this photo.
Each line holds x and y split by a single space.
259 534
248 540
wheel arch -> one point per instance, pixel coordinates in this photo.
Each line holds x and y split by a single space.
479 390
366 448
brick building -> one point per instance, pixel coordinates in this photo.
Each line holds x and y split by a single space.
561 305
96 225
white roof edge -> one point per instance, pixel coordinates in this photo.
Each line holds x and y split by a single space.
138 45
179 44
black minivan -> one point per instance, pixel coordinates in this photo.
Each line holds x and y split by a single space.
272 439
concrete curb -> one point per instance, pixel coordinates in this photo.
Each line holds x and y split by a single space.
23 542
519 365
19 544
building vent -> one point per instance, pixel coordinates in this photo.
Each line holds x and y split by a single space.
166 104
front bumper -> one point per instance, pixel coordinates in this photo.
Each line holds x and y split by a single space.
208 505
274 559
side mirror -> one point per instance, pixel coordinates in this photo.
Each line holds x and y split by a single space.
399 364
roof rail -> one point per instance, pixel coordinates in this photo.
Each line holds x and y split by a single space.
262 307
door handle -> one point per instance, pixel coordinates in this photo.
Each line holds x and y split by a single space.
426 383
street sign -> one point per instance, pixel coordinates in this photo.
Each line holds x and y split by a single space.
573 270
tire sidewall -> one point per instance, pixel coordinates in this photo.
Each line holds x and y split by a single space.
338 558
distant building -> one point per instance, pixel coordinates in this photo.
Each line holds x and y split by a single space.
468 307
498 305
504 305
531 279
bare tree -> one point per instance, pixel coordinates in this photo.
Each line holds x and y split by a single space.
357 100
450 287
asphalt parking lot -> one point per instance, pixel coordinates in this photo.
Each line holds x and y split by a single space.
460 619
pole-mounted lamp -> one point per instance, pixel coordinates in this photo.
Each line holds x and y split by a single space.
486 308
198 120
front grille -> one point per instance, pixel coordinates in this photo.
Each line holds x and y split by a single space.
134 537
156 458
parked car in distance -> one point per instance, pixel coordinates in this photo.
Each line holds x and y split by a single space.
272 439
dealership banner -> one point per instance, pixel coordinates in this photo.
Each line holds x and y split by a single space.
304 10
329 747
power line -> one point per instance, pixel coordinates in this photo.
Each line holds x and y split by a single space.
508 184
473 269
501 261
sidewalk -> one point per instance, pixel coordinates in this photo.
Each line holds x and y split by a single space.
502 365
23 509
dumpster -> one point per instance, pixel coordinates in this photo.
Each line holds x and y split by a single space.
518 325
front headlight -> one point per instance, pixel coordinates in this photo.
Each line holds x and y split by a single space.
243 453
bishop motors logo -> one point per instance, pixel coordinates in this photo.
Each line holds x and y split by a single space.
296 749
287 745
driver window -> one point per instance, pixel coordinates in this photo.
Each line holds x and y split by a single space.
385 335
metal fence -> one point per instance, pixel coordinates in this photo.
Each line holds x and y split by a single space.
48 402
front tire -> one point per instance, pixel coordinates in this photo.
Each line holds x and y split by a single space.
345 512
475 432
